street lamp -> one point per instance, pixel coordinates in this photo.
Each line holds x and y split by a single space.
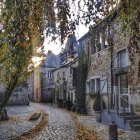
71 57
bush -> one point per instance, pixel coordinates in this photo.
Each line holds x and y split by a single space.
68 104
60 103
73 108
99 103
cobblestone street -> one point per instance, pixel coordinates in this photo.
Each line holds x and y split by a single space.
19 123
60 124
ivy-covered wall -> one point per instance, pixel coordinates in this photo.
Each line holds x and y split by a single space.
81 75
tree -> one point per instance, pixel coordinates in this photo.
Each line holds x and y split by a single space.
25 20
20 39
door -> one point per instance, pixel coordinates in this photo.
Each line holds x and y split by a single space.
123 92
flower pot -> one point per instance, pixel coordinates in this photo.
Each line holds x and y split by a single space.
98 116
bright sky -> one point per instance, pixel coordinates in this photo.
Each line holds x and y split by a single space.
56 46
80 31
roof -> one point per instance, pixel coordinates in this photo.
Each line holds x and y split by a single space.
84 37
51 60
71 43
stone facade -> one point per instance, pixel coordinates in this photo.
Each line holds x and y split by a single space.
21 94
64 75
37 84
63 79
111 73
51 62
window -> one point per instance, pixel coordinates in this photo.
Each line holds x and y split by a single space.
122 58
49 74
103 86
92 85
101 41
95 85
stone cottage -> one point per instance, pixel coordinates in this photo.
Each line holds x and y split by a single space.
51 62
64 74
43 78
112 74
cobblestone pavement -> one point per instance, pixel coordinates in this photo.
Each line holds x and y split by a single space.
19 123
103 129
60 125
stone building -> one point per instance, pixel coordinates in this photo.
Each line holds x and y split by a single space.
64 81
112 74
51 62
37 84
43 79
21 94
64 74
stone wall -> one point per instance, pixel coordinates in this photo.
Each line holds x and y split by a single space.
20 96
37 84
64 75
121 42
47 84
100 67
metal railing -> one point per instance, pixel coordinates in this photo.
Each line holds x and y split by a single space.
125 105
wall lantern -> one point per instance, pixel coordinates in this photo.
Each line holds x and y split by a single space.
71 57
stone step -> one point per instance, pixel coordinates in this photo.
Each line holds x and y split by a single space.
136 127
135 117
136 121
126 113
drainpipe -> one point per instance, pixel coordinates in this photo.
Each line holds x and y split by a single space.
111 103
111 66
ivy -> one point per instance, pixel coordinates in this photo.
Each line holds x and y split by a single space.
81 75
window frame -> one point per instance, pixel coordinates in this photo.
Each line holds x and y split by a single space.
120 59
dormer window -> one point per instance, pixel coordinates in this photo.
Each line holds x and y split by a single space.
122 58
49 74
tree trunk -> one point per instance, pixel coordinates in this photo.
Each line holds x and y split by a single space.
10 88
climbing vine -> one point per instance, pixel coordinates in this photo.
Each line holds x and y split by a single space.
81 76
129 15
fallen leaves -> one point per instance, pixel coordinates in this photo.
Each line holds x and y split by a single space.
83 132
33 132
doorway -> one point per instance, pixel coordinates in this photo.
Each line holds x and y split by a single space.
123 92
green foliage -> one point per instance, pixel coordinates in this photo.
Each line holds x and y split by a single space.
93 94
20 38
81 75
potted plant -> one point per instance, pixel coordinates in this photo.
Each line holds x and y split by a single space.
98 105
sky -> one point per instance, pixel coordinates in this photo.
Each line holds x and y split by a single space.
80 31
56 47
